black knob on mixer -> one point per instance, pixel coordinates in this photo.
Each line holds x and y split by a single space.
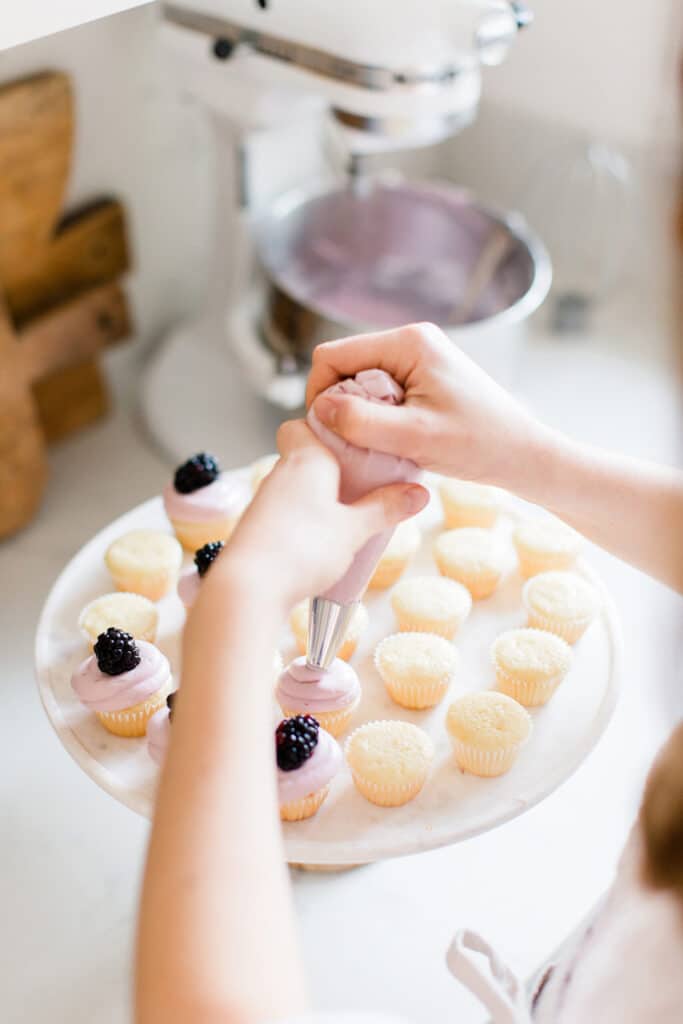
222 48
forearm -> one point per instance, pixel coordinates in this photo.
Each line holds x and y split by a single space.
216 937
631 508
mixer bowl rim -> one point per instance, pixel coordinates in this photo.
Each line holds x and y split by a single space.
286 204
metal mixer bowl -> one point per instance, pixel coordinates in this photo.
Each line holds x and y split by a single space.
384 254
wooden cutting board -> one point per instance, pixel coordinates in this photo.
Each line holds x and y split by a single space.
60 302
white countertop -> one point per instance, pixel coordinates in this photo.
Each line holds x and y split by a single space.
374 937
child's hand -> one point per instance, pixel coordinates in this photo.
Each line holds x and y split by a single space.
296 539
455 419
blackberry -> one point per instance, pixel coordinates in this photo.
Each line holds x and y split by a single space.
199 471
170 701
205 556
116 652
295 741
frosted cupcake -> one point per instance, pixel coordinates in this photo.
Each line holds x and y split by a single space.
487 730
298 621
124 682
132 613
562 603
389 761
402 547
204 504
159 731
330 695
190 580
472 556
431 604
468 504
530 664
261 469
416 668
544 544
144 562
307 761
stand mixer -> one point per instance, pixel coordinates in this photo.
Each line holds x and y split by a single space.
367 79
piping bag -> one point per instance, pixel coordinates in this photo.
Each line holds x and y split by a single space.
362 470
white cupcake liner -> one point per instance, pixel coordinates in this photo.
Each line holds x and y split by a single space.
299 810
480 584
570 630
416 696
486 763
132 722
456 515
417 624
530 693
334 722
533 563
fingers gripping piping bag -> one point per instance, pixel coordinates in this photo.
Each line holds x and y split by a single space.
362 470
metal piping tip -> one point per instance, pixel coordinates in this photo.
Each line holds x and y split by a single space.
327 625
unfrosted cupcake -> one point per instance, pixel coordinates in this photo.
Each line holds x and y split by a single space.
468 504
544 544
389 761
159 731
402 547
261 469
487 730
144 562
431 604
204 504
124 682
561 602
132 613
416 668
472 556
308 758
330 695
190 580
530 664
298 621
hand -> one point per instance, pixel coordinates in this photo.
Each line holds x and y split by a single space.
296 539
455 419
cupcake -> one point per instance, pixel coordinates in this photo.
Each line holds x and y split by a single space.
204 504
132 613
188 584
330 695
389 761
159 731
144 562
307 761
530 664
431 604
487 729
124 682
544 544
261 469
298 621
416 668
472 556
562 603
402 547
467 504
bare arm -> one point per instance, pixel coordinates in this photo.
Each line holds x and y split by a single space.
457 421
217 941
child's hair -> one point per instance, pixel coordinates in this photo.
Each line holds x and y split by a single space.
661 817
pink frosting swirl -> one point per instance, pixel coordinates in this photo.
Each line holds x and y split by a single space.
188 586
363 470
100 692
309 690
225 498
315 773
158 735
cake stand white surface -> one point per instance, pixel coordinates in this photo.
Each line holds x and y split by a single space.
348 829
